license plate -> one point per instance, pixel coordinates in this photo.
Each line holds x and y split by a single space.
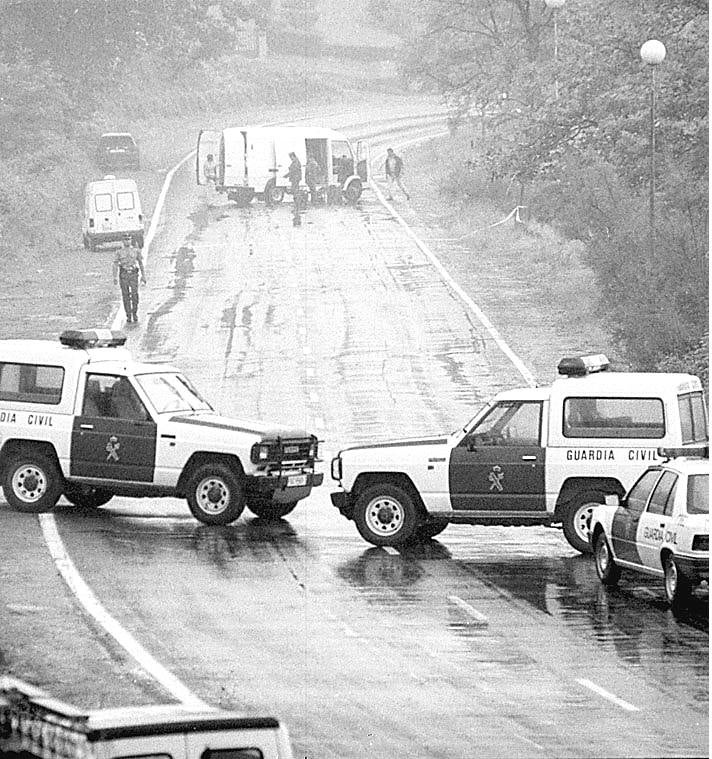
296 480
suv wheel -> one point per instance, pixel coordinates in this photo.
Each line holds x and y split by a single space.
32 482
385 515
215 494
577 518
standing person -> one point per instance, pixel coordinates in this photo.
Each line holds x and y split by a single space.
294 174
210 174
312 176
128 262
210 170
394 169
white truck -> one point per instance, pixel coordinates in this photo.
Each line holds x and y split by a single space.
532 456
81 417
112 212
33 725
252 161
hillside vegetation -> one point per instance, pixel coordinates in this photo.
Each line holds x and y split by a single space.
562 125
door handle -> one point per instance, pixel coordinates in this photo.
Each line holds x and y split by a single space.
528 458
87 426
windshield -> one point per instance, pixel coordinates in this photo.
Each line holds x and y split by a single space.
171 392
698 494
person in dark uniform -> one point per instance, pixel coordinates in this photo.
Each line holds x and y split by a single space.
128 263
313 177
295 177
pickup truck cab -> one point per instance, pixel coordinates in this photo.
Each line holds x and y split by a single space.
81 417
532 456
35 725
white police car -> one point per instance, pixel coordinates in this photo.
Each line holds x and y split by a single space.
80 417
660 528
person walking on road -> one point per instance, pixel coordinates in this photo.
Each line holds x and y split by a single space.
210 174
394 169
313 177
128 263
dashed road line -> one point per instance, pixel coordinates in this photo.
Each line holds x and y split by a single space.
607 695
476 616
91 604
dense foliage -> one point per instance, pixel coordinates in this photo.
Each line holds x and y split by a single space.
574 130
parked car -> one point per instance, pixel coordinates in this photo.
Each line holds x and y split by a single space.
117 150
660 527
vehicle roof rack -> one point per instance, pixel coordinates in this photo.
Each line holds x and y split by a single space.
92 338
696 452
580 366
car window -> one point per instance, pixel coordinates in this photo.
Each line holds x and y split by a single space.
125 201
640 492
103 202
512 423
661 494
31 383
232 753
693 418
113 397
698 494
614 418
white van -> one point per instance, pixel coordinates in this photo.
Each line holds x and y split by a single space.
112 212
252 161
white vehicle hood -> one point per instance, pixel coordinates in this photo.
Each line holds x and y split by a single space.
207 421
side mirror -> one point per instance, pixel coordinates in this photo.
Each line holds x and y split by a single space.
612 500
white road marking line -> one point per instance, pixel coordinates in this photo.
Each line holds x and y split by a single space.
392 551
605 694
476 310
477 616
91 604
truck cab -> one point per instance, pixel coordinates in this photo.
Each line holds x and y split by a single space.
532 456
82 418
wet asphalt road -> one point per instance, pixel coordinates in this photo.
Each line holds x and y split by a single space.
485 642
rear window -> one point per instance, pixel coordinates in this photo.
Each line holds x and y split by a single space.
698 494
614 418
125 201
232 753
693 418
103 202
31 383
117 141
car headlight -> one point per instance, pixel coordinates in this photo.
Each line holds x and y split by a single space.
336 468
259 452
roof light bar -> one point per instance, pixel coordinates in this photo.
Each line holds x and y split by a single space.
698 452
92 338
580 366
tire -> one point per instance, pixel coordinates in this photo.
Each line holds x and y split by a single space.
678 588
270 510
215 494
608 571
32 482
273 194
353 191
428 530
577 517
87 497
385 515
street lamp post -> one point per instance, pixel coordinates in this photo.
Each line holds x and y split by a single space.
653 53
555 5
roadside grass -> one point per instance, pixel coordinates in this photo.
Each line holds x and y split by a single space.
533 284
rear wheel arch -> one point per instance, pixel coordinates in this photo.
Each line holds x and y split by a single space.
15 446
575 485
